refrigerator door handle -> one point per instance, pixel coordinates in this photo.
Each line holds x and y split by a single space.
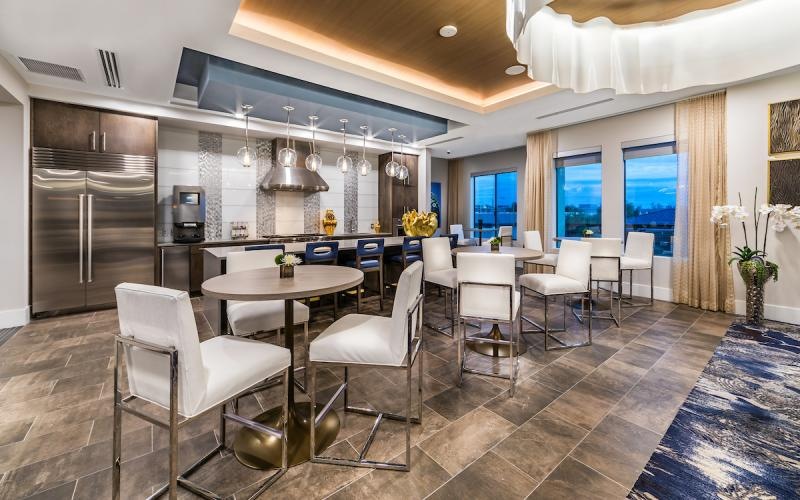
93 139
103 142
80 238
89 238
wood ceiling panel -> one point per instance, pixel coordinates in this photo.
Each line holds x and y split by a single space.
632 11
406 32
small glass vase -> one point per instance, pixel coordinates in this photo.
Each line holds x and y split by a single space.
286 271
495 247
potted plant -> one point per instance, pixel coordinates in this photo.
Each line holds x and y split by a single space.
751 262
587 233
286 263
495 244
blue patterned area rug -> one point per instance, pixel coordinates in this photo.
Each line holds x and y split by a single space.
738 433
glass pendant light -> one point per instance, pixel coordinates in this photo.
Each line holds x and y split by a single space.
314 160
402 171
246 155
363 166
392 166
344 163
287 157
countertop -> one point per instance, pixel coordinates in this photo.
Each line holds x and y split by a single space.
258 241
300 247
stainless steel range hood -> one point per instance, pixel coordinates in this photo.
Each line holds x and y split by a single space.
292 178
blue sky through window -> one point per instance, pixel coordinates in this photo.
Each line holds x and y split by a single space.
650 184
579 199
495 200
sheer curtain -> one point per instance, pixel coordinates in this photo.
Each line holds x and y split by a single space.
454 198
538 185
701 276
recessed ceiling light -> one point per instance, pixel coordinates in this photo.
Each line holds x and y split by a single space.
448 31
516 69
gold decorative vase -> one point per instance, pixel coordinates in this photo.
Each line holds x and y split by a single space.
329 222
419 223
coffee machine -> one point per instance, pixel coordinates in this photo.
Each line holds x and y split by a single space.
188 214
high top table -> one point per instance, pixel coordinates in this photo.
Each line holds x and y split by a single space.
255 449
495 350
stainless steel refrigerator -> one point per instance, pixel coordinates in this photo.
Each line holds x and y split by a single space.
93 227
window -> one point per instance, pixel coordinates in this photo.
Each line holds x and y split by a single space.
495 200
578 195
651 178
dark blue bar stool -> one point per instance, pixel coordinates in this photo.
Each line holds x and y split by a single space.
369 259
412 251
324 252
453 240
275 246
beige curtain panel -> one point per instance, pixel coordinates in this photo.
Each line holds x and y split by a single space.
538 186
701 276
454 198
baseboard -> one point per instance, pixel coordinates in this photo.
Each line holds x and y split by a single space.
15 317
774 312
643 290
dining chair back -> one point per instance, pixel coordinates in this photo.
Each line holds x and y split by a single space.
486 285
532 240
640 245
322 252
457 229
408 290
249 260
606 254
453 240
162 317
436 255
505 233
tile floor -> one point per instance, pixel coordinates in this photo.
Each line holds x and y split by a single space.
583 422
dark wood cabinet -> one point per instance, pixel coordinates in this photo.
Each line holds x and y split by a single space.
395 197
127 134
65 126
79 128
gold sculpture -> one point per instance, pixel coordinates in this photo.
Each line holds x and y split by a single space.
329 222
419 223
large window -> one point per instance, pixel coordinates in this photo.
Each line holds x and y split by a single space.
578 194
651 177
495 200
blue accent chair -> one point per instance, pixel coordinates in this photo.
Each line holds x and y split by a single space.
369 259
411 252
324 252
275 246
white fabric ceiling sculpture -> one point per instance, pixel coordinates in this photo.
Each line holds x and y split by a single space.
716 46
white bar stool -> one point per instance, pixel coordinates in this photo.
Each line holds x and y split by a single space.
606 268
639 250
486 293
533 240
572 276
379 342
459 230
438 270
168 366
505 233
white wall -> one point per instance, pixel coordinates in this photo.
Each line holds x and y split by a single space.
747 168
14 144
178 164
610 134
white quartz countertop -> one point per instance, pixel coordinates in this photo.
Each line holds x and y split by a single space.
300 247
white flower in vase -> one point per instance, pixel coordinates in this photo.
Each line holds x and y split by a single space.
291 260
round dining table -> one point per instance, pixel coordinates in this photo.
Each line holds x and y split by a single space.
495 350
260 450
480 231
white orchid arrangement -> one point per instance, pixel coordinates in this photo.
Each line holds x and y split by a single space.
288 259
752 260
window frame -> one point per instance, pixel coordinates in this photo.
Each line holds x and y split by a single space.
661 148
575 159
495 173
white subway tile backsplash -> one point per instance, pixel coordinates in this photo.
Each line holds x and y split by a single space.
231 213
168 176
242 178
239 197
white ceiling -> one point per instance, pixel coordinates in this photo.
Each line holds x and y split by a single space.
148 35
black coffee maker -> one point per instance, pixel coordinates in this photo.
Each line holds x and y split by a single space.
188 214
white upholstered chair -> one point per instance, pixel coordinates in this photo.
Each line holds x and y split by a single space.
486 293
638 256
167 365
533 240
247 318
505 233
571 277
438 270
459 230
606 268
380 342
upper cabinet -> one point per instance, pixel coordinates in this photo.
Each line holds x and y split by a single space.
63 126
78 128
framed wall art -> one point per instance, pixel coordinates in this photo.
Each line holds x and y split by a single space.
784 127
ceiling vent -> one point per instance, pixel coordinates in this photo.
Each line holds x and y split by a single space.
110 70
443 141
576 108
52 69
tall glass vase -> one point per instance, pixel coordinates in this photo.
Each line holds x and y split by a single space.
754 294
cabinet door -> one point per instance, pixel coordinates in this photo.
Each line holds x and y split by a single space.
127 134
64 126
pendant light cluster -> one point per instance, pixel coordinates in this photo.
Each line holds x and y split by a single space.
287 156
